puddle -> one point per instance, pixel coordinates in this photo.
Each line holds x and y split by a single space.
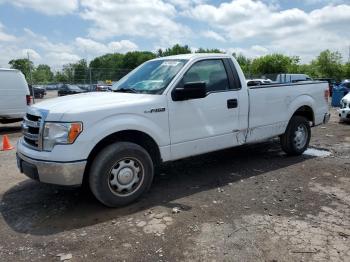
317 152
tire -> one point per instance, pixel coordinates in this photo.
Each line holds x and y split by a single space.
296 139
120 174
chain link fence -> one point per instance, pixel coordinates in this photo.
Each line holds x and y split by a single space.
86 79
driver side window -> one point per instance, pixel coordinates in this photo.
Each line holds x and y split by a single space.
212 72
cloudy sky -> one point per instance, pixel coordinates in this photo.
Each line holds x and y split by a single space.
62 31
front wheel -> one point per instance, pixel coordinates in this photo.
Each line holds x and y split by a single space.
296 139
121 173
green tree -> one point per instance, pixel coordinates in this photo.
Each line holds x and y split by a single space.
208 50
244 62
329 64
346 70
309 69
80 71
68 73
136 58
107 67
294 65
159 52
42 74
60 77
272 64
175 50
24 65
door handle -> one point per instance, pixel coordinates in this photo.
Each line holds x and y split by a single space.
232 103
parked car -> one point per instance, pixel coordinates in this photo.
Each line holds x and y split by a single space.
331 83
168 108
14 95
52 86
103 87
344 111
39 91
69 90
292 78
258 82
345 84
85 87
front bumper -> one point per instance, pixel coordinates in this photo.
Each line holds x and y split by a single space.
344 113
59 173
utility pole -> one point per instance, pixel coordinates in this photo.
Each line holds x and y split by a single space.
30 78
90 78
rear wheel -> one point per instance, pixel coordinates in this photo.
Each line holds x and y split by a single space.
296 139
120 174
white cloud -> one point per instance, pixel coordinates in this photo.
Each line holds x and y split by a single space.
122 46
292 31
213 35
62 58
4 37
97 48
44 43
40 50
251 52
33 55
313 2
183 4
55 7
153 19
56 54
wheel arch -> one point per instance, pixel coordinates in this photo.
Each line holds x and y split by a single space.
134 136
303 105
307 112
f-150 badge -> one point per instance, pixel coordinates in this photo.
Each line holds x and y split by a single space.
156 110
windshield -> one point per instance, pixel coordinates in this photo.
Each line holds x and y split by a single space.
72 87
151 77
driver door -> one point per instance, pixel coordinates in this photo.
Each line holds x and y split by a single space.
205 124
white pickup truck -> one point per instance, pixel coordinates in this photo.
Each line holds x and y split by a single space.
166 109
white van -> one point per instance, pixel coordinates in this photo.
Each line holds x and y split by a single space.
292 78
14 95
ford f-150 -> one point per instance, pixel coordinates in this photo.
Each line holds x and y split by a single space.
166 109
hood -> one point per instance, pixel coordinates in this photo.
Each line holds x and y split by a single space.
91 102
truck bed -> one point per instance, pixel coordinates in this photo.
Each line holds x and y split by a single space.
271 106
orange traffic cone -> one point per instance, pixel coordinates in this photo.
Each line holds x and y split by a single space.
6 145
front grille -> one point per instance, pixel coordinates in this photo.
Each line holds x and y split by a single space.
31 130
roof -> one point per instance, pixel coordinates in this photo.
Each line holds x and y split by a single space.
8 69
194 56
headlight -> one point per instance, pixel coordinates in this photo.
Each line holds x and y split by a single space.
60 133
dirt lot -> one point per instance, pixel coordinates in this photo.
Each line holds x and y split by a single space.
245 204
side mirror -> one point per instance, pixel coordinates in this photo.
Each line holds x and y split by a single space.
190 90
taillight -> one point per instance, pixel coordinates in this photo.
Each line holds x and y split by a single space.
326 95
29 100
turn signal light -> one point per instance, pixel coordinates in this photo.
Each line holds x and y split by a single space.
74 131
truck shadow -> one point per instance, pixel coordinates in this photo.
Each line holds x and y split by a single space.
34 208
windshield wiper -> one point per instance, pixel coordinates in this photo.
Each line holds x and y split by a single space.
126 90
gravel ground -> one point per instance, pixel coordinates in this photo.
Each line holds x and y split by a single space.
251 203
